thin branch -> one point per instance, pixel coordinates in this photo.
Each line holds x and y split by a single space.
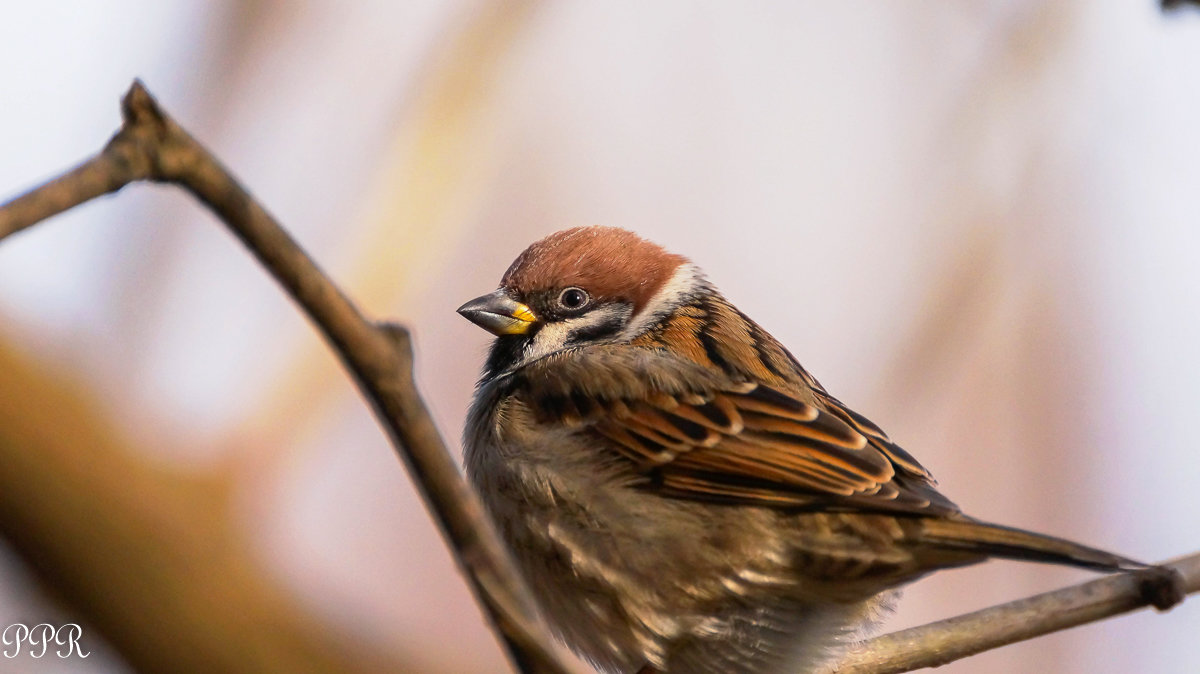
955 638
151 146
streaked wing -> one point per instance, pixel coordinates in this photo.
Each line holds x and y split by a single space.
739 442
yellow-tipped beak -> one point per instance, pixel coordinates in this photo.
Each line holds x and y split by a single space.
499 314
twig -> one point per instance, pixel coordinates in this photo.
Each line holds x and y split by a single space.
955 638
151 146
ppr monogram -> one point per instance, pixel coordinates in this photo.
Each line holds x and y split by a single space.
39 638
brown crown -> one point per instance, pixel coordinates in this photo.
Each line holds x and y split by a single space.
609 263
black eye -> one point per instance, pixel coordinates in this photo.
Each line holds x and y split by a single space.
573 299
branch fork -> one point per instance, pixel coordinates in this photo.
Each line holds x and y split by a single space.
150 146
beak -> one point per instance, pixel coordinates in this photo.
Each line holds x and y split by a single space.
499 314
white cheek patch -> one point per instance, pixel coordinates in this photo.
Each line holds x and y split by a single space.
557 335
684 284
599 326
550 338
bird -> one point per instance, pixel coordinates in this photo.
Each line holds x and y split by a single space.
680 494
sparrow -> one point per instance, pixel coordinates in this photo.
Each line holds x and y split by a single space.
681 495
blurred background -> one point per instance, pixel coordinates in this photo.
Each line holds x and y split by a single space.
978 223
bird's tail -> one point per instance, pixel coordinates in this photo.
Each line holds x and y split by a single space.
993 540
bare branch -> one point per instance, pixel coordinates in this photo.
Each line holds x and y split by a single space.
151 146
948 640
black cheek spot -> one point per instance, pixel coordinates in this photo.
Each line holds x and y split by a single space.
609 327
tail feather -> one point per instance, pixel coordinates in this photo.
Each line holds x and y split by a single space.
995 540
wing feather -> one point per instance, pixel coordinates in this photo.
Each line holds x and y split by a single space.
694 434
